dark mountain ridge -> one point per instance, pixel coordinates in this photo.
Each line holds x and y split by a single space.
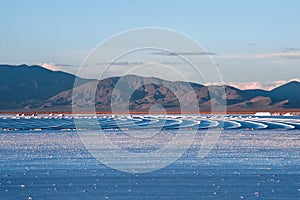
22 84
33 88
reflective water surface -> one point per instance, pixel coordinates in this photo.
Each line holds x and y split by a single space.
254 158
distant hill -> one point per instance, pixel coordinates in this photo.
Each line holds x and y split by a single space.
33 88
21 86
289 92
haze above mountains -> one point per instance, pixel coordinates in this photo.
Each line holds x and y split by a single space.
36 89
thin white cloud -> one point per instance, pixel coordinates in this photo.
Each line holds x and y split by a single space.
286 55
50 66
202 53
124 63
289 53
60 67
256 84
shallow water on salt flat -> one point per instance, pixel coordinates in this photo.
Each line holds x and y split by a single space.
244 164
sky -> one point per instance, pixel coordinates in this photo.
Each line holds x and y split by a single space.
254 44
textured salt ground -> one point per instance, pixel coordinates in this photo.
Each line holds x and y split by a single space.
261 164
138 122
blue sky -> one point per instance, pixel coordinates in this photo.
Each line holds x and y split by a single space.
253 41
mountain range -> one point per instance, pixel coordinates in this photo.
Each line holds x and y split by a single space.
26 88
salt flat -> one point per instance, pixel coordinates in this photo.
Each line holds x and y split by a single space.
243 164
